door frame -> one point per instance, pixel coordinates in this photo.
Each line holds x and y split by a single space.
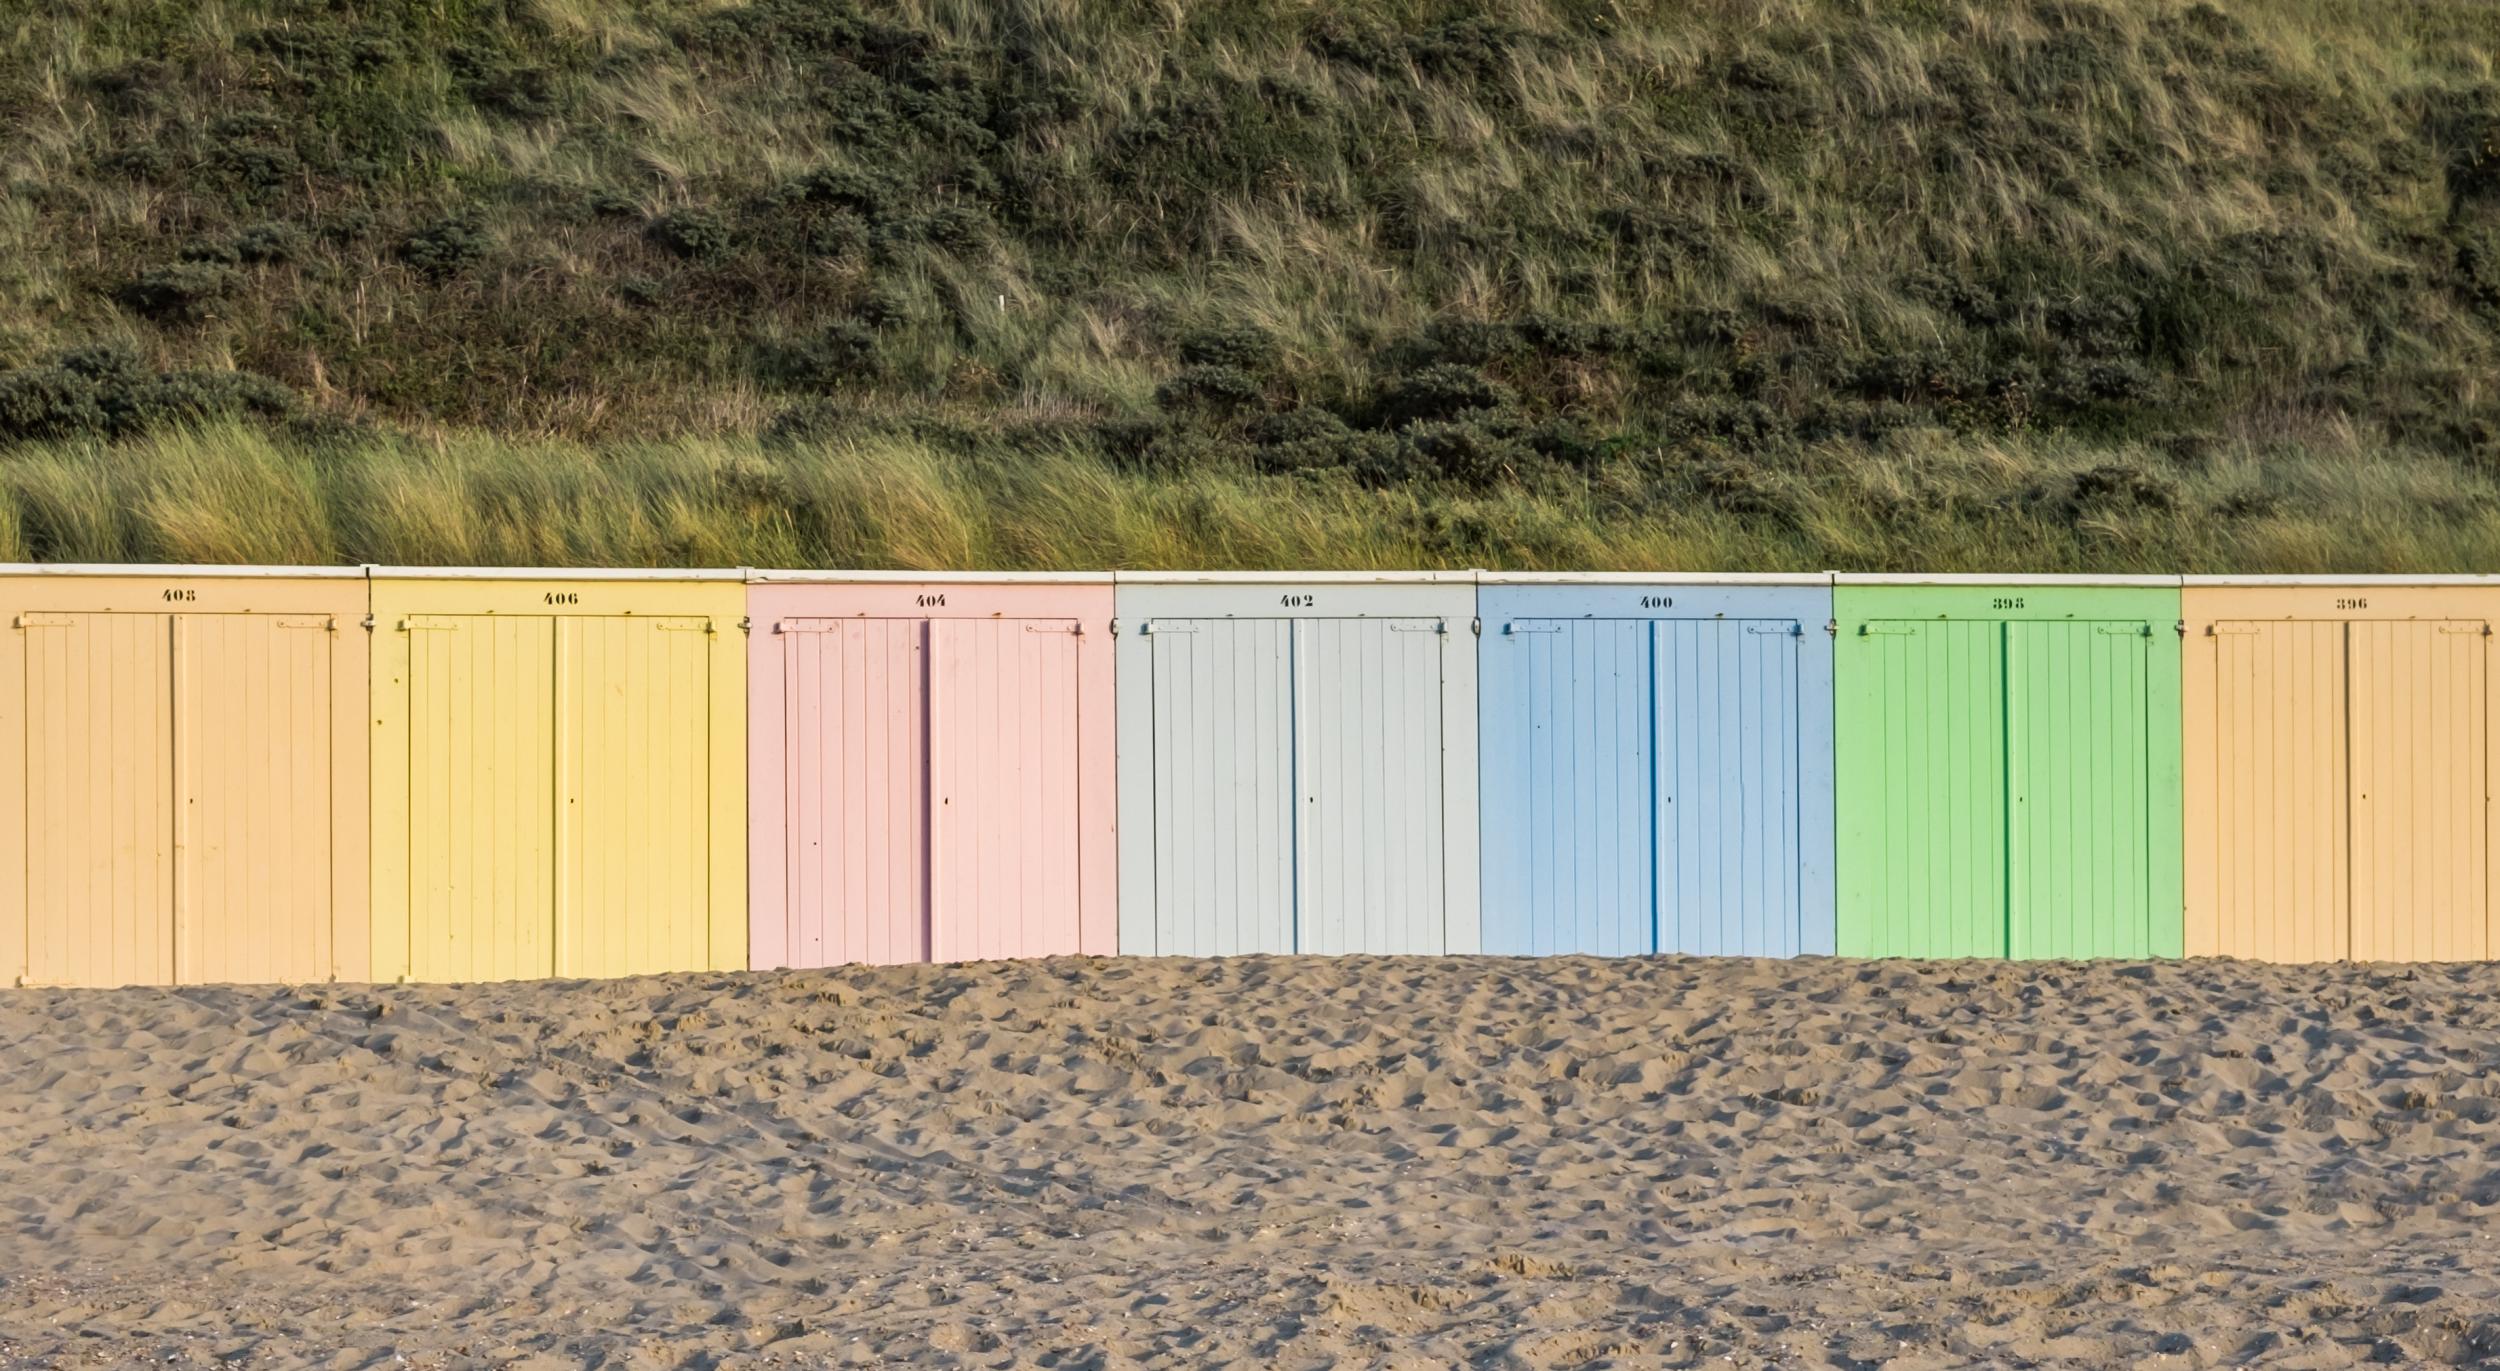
1807 599
2207 601
339 593
774 596
2152 600
1447 596
400 593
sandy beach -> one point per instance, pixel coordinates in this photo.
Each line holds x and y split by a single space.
1265 1162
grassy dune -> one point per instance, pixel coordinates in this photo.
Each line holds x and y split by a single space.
2054 285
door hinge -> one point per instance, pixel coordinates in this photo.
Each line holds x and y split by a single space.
1476 626
1076 628
2182 627
46 620
1516 627
1779 631
1831 628
368 623
1154 626
322 622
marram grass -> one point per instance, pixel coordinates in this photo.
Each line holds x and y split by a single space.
1927 500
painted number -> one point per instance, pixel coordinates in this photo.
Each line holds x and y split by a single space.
933 602
2006 602
1657 602
2352 604
1299 601
182 595
563 597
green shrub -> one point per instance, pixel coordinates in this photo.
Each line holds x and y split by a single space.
699 234
1244 348
1439 392
835 355
1208 389
181 292
446 247
270 243
108 392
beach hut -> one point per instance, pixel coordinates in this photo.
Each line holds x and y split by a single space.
182 764
1657 758
559 764
2007 766
1297 763
932 767
2338 748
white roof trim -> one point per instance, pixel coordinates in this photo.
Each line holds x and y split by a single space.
958 578
2376 582
1654 578
1991 578
1295 578
175 571
500 573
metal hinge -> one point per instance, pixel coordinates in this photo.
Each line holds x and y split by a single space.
1831 628
368 623
1076 628
1115 628
1888 630
1515 627
322 622
46 620
1768 631
2182 627
1476 626
1154 626
2124 630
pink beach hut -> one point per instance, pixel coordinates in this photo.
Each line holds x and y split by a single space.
932 767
